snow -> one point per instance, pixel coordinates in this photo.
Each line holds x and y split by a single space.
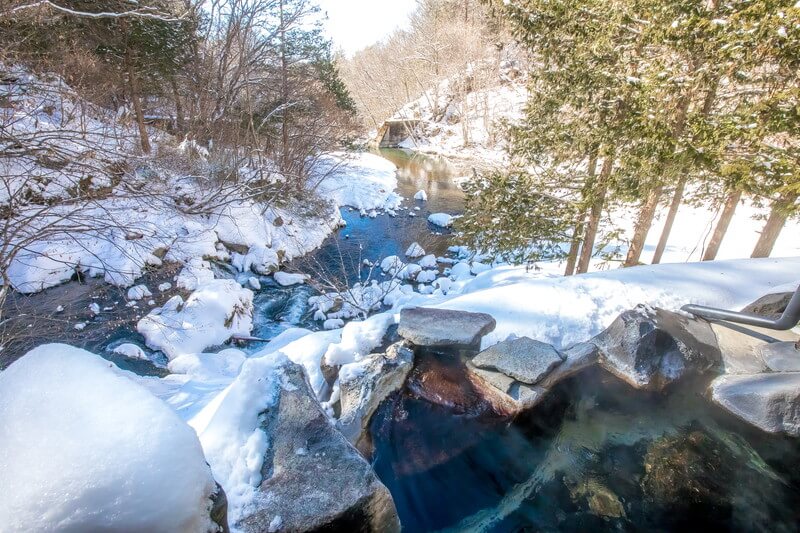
84 448
195 273
333 323
253 283
441 219
212 314
414 251
285 279
138 292
429 261
426 276
392 264
130 350
163 287
361 180
421 195
358 339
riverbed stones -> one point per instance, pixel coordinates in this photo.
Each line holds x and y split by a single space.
651 348
769 401
364 385
313 478
432 327
524 359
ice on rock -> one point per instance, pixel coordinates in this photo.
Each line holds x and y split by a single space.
210 316
414 251
138 292
85 448
421 195
441 219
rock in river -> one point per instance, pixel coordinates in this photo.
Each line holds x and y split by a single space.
425 326
313 479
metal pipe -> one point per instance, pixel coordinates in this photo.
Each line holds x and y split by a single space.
788 319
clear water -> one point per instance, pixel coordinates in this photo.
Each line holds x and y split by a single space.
595 456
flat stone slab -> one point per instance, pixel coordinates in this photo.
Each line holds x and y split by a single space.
524 359
770 402
426 326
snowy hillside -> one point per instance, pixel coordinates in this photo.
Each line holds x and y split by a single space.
466 124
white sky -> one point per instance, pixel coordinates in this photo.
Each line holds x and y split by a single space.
356 24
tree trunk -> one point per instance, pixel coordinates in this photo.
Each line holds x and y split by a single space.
643 223
731 202
677 198
775 222
180 123
284 95
133 88
575 245
595 213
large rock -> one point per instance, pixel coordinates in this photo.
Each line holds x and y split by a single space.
364 385
770 402
651 348
770 305
313 479
511 396
524 359
424 326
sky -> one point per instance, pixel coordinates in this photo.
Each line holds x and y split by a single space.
356 24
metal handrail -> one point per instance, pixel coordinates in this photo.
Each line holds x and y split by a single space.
788 319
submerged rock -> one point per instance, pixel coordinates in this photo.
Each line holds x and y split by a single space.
524 359
651 348
313 478
425 326
365 386
770 402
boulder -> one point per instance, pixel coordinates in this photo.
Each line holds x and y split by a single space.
651 348
781 356
770 402
509 395
424 326
364 385
770 305
524 359
314 479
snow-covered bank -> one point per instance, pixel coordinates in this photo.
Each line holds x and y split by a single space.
84 448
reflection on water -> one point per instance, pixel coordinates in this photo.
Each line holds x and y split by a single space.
597 455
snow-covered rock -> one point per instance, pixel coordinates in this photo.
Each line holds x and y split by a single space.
441 219
84 448
429 261
210 316
333 323
421 195
138 292
164 287
286 279
414 251
392 264
195 273
131 350
253 283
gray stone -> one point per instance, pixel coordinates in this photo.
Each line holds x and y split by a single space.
312 477
652 348
770 402
425 326
781 356
362 392
770 305
524 359
512 396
